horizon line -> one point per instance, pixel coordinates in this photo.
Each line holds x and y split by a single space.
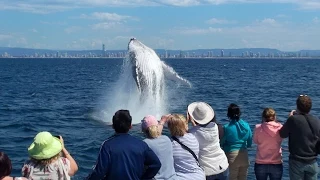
165 49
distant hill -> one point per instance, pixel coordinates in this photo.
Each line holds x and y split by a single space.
248 52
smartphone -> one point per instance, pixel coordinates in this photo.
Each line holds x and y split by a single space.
57 137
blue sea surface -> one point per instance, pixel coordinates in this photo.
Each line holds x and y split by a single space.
61 96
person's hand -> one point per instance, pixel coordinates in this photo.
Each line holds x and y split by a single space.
189 119
62 142
192 122
164 119
293 112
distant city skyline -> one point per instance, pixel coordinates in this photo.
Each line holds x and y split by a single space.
287 25
162 53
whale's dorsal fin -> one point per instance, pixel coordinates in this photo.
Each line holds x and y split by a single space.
173 75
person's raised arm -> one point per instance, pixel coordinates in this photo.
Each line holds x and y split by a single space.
100 170
163 120
73 164
189 119
152 164
284 131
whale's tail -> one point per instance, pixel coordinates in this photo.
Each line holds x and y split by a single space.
171 74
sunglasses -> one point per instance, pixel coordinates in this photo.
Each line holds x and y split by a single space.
303 95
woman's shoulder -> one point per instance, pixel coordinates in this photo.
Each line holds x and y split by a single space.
257 126
190 137
244 122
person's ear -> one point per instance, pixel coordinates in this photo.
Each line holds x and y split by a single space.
130 126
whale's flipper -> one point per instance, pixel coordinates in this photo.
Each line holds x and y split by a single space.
135 71
172 75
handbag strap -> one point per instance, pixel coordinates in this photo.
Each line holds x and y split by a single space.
186 148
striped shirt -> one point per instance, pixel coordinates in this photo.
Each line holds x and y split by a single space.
185 164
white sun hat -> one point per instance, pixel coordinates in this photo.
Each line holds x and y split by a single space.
201 112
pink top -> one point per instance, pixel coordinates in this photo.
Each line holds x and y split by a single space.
268 140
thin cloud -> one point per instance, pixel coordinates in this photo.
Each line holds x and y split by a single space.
58 23
50 6
33 6
5 37
105 25
196 31
282 16
316 20
34 30
219 21
104 16
310 5
268 21
178 2
72 29
266 33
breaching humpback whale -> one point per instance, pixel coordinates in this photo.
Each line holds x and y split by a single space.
148 71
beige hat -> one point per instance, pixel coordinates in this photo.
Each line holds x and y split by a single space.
201 112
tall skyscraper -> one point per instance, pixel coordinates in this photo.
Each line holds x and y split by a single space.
103 50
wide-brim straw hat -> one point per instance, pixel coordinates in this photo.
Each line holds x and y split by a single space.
201 112
44 146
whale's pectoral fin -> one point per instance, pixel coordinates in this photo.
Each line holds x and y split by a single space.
172 75
135 74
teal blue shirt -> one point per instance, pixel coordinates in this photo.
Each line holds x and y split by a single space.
237 135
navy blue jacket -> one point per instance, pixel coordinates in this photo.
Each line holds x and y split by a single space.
124 157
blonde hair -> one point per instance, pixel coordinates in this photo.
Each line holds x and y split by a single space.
46 161
152 132
177 125
269 114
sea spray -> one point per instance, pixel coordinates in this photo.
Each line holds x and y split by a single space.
141 87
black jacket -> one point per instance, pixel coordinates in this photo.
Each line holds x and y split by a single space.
302 142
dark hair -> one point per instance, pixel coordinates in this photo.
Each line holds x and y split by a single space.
234 112
304 104
121 121
5 164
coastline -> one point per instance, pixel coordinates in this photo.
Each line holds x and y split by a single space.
209 58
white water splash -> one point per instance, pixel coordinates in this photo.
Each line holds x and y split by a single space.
126 95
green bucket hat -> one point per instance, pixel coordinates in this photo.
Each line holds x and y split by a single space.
44 146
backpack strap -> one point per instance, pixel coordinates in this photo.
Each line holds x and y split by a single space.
317 145
186 148
312 130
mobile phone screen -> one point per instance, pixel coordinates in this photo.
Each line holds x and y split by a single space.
57 137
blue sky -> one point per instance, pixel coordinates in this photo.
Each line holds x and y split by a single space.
287 25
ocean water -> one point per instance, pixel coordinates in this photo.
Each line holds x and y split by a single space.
65 96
